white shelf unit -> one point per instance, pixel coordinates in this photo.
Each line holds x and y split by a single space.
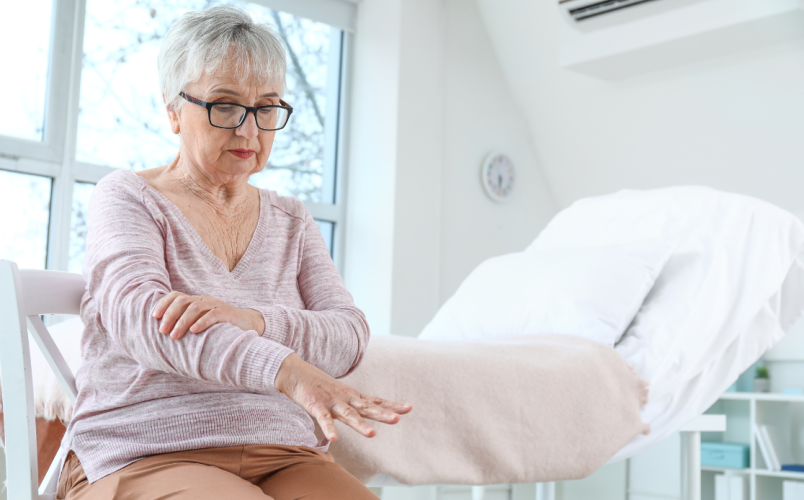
742 410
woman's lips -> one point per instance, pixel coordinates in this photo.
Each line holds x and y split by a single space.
242 153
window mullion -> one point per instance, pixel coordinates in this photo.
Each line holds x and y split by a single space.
61 209
87 172
59 231
29 166
331 117
342 160
64 27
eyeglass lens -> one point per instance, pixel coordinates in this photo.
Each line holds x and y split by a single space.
229 116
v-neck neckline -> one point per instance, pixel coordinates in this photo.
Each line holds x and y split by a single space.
248 255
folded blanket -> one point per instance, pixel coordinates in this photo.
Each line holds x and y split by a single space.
516 410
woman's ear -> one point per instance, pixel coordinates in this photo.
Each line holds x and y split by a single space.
173 116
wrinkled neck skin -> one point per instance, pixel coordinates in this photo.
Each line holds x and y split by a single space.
224 193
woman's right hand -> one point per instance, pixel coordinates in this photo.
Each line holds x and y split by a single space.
326 399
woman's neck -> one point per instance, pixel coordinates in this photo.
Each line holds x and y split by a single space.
222 192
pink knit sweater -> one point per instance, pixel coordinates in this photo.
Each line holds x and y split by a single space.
142 393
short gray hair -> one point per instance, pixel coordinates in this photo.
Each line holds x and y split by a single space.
216 40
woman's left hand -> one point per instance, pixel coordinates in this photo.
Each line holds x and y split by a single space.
195 313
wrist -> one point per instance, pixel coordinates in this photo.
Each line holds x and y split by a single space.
257 321
285 373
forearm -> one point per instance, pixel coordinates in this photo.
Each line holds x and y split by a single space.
333 340
223 353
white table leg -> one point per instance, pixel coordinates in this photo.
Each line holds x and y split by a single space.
478 492
690 465
546 491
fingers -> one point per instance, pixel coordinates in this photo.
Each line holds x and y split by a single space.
182 311
351 417
212 317
163 304
194 310
375 412
173 310
400 408
396 407
324 419
327 399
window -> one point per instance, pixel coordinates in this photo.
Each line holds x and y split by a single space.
25 93
114 116
25 235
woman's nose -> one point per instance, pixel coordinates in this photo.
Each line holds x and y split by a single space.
248 128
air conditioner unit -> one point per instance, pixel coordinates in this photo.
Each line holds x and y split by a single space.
615 39
578 10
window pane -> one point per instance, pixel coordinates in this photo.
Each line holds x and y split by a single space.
78 226
123 123
296 166
25 205
327 231
24 50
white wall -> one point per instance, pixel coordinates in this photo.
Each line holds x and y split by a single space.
374 79
479 116
429 102
733 123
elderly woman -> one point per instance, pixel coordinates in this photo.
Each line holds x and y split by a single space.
215 320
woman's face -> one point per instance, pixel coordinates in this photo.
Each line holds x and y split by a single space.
224 153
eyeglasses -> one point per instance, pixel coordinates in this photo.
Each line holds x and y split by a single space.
231 115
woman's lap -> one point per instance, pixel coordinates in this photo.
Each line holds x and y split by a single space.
241 472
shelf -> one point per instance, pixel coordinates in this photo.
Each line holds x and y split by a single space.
758 472
785 412
712 468
782 474
762 396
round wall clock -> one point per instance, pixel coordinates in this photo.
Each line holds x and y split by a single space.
498 176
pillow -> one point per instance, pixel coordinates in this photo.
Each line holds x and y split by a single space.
592 292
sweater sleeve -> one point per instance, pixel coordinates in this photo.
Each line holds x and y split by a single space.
126 275
331 333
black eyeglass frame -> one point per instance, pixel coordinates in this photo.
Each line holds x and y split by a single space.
249 109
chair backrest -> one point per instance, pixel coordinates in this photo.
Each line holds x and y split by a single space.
24 295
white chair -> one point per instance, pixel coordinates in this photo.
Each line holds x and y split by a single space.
24 295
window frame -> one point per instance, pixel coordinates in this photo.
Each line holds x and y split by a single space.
54 157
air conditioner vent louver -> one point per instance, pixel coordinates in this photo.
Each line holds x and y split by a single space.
584 9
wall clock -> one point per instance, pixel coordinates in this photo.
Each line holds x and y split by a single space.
498 176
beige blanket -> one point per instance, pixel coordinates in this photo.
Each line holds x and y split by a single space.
519 410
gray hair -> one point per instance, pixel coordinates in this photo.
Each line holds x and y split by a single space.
217 40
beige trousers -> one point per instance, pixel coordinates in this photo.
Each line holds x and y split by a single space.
253 472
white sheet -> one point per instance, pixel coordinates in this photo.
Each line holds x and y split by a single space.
729 291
